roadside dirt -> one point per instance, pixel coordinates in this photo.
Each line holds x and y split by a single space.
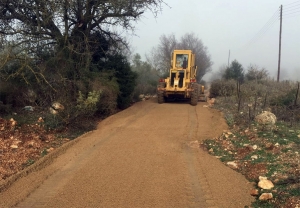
145 156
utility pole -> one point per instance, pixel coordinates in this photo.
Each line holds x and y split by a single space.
279 56
228 58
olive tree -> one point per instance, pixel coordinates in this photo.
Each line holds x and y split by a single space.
78 28
61 47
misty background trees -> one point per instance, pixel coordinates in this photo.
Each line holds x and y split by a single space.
234 71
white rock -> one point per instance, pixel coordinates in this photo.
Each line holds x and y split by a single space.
52 111
254 147
212 101
57 106
232 164
254 157
265 184
262 178
266 196
13 122
40 120
14 146
50 149
266 117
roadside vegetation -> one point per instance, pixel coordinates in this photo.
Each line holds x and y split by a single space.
259 149
65 66
68 52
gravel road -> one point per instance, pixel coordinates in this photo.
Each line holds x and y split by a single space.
144 156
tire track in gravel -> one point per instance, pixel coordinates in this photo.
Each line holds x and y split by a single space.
140 157
47 191
200 190
44 190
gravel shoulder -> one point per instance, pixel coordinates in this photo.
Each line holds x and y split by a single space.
145 156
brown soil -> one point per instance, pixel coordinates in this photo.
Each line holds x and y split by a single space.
145 156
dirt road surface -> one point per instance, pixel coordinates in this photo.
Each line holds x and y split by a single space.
144 156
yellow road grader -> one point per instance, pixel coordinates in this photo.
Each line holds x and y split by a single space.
181 83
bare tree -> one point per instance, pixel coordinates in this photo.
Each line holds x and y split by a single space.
160 56
203 62
256 73
76 27
60 47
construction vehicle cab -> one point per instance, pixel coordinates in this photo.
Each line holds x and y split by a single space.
181 83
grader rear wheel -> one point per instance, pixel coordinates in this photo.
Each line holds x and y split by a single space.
160 94
160 98
194 95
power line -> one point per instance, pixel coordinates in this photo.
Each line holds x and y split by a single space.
290 9
292 3
292 13
263 30
287 17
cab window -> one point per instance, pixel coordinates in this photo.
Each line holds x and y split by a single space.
182 61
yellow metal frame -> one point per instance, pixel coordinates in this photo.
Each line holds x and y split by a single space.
173 87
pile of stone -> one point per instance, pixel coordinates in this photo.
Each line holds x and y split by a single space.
264 184
144 97
266 118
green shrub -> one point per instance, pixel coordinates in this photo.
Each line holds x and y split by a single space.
107 104
285 99
222 88
88 104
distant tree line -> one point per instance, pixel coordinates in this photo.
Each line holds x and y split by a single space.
231 77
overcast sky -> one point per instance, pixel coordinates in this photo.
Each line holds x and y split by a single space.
248 28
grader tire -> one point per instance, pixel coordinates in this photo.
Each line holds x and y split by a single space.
160 95
194 95
160 98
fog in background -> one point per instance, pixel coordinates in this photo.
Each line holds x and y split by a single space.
249 29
